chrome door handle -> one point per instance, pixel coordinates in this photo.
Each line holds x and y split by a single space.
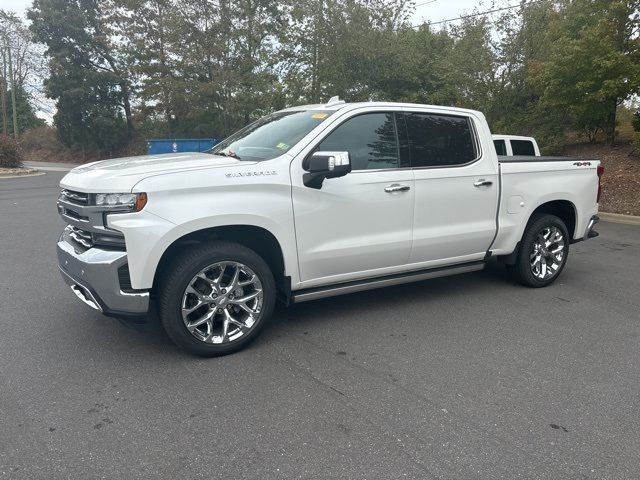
482 183
396 187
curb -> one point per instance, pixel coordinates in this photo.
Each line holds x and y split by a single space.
51 166
619 218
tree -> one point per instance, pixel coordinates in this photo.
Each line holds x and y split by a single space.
89 79
594 63
343 47
26 117
21 65
519 105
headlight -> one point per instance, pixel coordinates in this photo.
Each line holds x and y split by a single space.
125 202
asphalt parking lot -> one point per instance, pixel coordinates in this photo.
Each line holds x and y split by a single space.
468 377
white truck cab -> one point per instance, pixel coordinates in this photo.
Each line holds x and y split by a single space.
309 202
514 145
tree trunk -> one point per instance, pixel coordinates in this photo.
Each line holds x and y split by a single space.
126 103
3 95
610 129
13 96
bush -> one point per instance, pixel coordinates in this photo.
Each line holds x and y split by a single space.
10 153
636 121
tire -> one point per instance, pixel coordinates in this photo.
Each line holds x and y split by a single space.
193 288
535 250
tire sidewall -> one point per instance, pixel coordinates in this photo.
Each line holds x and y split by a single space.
181 272
537 223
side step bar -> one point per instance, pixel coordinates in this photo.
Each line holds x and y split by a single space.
379 282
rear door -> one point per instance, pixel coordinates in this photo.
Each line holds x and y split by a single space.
456 184
361 224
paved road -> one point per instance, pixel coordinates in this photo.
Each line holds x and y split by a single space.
469 377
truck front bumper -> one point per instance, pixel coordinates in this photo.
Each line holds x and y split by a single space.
93 276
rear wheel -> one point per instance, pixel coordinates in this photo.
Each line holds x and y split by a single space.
543 251
214 299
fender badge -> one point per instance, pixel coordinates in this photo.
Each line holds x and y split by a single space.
251 174
582 164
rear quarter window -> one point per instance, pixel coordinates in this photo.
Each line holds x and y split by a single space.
501 147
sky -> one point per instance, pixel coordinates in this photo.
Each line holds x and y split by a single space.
433 10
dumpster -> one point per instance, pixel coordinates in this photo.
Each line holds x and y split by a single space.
173 145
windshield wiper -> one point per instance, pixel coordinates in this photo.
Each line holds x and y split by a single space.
229 154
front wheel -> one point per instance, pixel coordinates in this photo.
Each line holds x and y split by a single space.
543 251
215 298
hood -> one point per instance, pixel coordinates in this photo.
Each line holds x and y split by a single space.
121 174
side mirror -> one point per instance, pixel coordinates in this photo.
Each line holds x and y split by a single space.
321 165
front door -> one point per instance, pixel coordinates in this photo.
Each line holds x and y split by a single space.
361 224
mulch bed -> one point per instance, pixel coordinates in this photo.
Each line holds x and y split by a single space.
621 180
10 172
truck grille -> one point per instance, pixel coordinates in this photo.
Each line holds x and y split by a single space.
80 237
79 198
86 223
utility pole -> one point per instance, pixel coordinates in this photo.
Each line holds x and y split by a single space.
3 93
13 95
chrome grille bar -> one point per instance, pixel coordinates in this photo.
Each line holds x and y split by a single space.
78 198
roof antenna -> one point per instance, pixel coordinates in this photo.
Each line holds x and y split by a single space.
334 101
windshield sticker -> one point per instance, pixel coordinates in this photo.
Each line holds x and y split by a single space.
282 146
319 116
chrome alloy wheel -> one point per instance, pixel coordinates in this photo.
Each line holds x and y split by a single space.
547 253
222 302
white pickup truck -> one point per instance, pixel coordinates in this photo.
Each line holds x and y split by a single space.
515 145
311 202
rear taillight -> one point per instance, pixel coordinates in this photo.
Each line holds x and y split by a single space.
600 171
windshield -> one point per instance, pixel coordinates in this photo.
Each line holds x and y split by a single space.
270 136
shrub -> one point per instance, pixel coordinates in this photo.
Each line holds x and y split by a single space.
10 153
636 121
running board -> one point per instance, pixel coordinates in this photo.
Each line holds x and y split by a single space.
379 282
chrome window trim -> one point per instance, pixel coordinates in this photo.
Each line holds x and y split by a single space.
363 110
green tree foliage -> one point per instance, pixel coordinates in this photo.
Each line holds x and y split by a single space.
594 62
636 121
207 67
26 114
89 76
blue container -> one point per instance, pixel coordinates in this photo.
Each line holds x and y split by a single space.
174 145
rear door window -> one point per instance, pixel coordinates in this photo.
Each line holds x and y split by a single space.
439 140
523 147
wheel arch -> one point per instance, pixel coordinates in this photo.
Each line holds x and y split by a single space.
565 210
256 238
